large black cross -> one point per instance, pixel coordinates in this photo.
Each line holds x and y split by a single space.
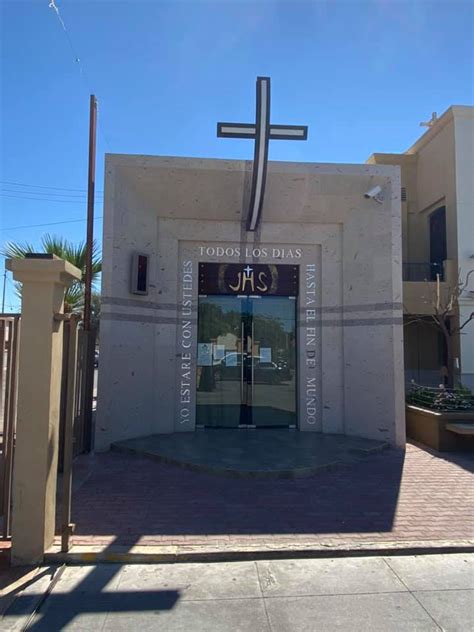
262 131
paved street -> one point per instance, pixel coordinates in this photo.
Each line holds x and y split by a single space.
351 594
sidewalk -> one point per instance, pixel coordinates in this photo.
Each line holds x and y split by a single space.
389 500
420 594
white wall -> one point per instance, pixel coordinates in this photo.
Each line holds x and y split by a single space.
464 135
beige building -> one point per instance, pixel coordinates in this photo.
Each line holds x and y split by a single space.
437 178
297 325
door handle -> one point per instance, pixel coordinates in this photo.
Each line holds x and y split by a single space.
251 360
242 363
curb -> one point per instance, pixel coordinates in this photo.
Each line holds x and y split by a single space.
353 455
186 554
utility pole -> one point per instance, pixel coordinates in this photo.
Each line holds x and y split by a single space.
88 347
90 212
4 285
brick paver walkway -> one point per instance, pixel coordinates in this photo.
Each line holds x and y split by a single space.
394 496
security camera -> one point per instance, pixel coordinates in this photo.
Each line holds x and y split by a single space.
373 193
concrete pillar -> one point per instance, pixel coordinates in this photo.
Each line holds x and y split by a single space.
45 279
450 272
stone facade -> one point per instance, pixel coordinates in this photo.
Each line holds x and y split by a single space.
184 211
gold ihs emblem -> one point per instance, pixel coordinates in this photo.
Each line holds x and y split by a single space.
247 278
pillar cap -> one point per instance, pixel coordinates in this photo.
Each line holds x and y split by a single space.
43 269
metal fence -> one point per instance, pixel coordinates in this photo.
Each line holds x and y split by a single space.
423 271
83 344
441 399
9 343
75 422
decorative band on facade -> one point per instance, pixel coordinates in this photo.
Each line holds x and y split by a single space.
164 320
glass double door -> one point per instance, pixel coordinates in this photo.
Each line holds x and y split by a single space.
246 364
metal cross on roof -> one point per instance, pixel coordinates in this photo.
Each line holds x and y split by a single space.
262 131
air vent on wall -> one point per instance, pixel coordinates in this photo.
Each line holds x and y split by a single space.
404 194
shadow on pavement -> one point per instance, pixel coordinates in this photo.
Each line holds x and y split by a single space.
49 609
463 459
128 497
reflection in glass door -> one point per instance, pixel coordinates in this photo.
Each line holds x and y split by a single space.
246 365
220 361
272 397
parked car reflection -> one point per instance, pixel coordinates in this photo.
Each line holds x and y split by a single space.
229 368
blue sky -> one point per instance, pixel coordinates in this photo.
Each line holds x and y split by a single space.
361 75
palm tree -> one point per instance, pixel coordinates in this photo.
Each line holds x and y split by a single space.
66 250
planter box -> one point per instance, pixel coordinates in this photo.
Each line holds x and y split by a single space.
429 427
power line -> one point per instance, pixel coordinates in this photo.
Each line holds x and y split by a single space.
67 221
20 197
63 195
101 128
82 72
52 5
42 186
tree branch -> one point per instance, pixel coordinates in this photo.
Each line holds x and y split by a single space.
456 330
463 286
